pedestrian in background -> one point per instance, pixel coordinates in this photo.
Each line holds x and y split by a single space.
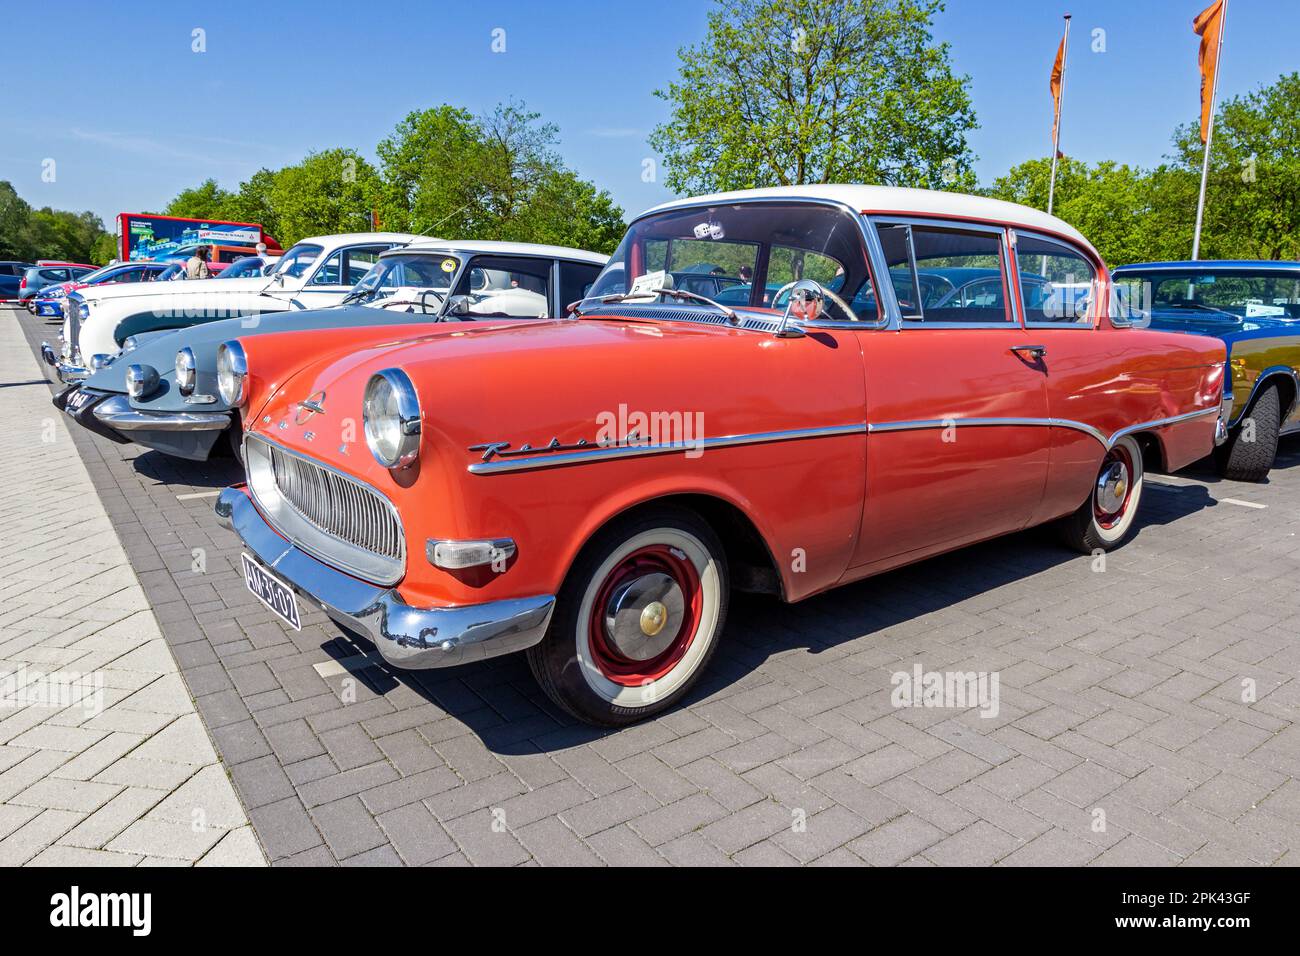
197 266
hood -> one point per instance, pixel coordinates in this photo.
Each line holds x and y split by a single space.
125 290
570 381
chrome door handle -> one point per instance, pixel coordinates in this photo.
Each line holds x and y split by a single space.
1037 351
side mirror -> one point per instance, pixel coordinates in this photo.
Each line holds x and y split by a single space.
806 301
458 305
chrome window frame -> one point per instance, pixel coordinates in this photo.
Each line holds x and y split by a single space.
898 322
1091 323
873 258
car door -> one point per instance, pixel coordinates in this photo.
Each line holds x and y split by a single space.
958 427
1058 292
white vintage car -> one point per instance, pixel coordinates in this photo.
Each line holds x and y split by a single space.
315 273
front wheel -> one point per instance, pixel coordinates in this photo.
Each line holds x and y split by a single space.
1106 518
637 618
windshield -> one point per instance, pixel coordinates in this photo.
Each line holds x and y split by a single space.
242 268
100 273
742 255
411 271
171 272
1229 297
297 260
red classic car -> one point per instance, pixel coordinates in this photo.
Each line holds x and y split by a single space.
935 370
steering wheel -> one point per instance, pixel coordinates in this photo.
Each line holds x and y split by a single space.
844 306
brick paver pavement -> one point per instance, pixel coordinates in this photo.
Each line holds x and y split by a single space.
1147 707
126 778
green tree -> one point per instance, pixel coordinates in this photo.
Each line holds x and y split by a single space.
497 176
205 201
15 215
817 91
328 192
1252 204
105 249
1110 203
429 173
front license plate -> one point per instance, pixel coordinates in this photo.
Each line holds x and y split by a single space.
271 591
77 401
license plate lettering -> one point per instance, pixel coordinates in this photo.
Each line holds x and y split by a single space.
271 591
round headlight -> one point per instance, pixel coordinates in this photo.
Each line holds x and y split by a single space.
185 370
232 371
391 412
141 380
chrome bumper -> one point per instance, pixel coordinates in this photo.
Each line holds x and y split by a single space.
407 637
1225 415
116 412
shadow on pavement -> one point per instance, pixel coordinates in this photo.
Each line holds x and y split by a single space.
500 702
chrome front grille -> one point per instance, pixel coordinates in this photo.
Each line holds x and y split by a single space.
332 516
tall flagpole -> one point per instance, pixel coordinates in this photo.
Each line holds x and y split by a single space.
1056 131
1209 136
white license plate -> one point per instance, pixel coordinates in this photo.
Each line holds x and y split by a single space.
77 401
272 592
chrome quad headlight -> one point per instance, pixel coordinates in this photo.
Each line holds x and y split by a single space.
232 374
186 373
391 412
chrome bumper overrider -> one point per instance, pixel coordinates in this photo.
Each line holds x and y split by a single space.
408 637
116 412
65 372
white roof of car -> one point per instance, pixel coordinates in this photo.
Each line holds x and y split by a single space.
503 249
893 200
348 238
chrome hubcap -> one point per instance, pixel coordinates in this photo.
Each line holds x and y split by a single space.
1112 486
643 616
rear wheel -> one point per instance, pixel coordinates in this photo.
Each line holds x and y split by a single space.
1105 519
637 619
1248 453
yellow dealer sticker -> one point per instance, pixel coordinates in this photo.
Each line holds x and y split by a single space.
448 265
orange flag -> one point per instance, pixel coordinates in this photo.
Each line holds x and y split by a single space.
1208 25
1058 71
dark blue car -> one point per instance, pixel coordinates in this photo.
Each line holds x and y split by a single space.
1254 307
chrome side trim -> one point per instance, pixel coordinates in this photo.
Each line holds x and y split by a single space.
1106 441
611 452
407 637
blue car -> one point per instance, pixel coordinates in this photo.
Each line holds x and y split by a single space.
11 276
1254 307
49 301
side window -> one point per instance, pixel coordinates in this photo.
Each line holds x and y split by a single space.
1056 282
358 261
943 275
330 272
504 287
575 279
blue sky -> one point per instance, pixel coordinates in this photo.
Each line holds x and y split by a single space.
115 95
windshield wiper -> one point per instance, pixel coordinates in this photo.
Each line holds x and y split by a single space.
672 293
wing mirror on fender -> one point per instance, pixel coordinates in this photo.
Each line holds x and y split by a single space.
807 298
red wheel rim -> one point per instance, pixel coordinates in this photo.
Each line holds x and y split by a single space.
1107 512
615 665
